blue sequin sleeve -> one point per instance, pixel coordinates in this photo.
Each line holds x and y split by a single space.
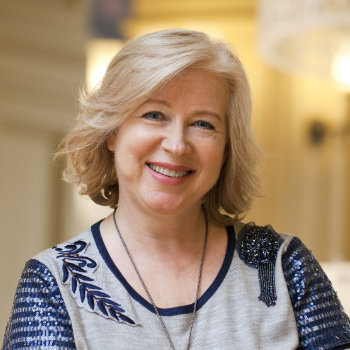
321 321
39 318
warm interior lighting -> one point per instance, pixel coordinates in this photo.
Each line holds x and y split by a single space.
209 27
99 53
341 68
304 35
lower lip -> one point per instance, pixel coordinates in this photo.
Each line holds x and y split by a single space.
168 180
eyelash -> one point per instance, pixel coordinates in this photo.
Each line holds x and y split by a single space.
148 114
207 126
161 116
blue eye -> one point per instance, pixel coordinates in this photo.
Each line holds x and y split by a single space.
153 116
204 125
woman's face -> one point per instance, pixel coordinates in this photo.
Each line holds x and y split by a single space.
169 152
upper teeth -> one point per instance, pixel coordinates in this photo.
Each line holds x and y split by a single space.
168 172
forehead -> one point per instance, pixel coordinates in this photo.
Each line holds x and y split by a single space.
193 79
196 88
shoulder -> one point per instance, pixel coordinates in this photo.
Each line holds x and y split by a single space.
39 314
41 274
85 280
38 283
319 316
52 257
259 244
81 241
260 247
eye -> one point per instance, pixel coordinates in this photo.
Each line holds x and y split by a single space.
153 116
204 125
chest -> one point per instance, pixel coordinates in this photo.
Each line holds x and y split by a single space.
230 318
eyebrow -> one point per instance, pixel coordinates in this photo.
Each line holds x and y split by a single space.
156 100
205 112
198 112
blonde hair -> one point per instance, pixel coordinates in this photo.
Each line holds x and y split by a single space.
134 74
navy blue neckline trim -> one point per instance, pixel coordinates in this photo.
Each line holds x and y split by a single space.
179 310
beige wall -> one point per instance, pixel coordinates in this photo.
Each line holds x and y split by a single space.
42 64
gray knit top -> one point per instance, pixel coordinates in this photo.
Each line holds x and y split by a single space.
270 293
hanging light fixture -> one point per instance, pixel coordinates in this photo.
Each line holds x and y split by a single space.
107 37
307 36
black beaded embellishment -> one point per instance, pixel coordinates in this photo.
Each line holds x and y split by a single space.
258 248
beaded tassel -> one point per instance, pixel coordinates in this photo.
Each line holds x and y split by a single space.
267 283
258 248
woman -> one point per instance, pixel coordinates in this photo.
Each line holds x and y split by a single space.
166 141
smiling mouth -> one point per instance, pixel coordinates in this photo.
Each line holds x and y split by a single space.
168 172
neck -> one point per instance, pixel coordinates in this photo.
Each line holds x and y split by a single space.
166 231
166 249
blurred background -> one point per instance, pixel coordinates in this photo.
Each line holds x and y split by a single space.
297 56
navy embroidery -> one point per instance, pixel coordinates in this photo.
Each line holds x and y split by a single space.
79 268
258 248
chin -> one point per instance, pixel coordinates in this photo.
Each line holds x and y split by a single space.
167 204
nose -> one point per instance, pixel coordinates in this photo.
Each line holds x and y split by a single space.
175 140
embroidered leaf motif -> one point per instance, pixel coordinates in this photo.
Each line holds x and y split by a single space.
118 309
91 286
126 319
113 304
82 291
74 267
110 302
74 284
99 294
75 248
91 301
113 314
65 273
83 277
102 307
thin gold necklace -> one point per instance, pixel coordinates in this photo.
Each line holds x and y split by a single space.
165 330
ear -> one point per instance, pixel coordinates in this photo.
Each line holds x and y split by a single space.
111 142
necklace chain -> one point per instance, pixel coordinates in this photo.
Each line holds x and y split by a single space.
165 330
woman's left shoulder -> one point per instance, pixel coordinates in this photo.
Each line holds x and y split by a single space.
320 317
258 244
260 247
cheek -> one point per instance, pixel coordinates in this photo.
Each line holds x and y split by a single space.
133 148
214 158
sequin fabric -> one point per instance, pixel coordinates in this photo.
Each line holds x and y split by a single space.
258 248
39 318
321 321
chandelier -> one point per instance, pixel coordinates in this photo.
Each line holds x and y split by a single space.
307 36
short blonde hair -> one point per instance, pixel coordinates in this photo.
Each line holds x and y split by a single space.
134 74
